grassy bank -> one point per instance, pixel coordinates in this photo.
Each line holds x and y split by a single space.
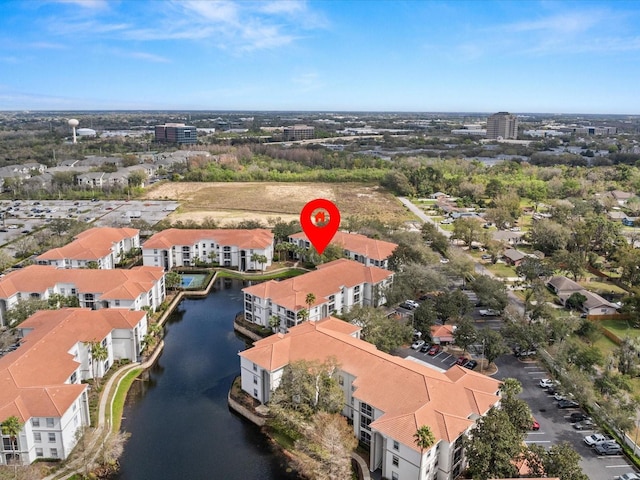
120 396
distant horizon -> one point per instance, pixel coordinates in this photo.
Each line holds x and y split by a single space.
30 111
404 56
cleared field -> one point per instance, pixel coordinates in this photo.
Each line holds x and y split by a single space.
233 202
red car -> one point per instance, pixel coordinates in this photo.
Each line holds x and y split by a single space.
434 350
534 424
461 360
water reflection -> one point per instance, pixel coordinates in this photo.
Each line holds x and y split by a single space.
180 423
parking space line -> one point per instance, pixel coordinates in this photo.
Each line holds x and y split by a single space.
446 358
438 355
617 466
535 366
606 457
537 441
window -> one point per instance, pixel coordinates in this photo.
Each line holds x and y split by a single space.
255 367
394 476
227 256
37 437
39 452
53 452
104 343
116 303
50 422
365 437
52 437
73 378
356 289
35 422
226 249
396 445
356 298
396 461
255 392
255 380
366 409
340 380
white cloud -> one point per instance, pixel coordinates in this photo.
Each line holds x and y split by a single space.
150 57
88 4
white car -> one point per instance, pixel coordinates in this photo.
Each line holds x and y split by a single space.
546 383
417 344
412 303
489 312
595 439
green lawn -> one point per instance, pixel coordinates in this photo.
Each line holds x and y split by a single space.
501 270
120 397
602 287
622 328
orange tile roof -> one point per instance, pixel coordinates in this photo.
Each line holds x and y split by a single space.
32 378
258 238
357 243
326 280
91 244
110 283
410 394
442 331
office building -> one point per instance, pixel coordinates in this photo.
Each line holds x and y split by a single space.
502 125
176 133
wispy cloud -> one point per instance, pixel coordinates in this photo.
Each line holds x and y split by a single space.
46 46
150 57
306 82
88 4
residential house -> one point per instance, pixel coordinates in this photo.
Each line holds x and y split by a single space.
131 289
368 251
594 304
513 257
386 398
232 248
104 246
621 197
337 286
41 382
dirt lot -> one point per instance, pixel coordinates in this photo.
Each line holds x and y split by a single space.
232 202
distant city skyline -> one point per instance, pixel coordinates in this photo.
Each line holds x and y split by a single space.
578 57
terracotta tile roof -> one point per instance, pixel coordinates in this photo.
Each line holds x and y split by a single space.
32 378
38 278
326 280
91 244
258 238
410 394
442 331
360 244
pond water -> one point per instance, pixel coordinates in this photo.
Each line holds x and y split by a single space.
180 424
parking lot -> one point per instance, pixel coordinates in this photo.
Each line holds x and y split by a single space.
21 218
554 422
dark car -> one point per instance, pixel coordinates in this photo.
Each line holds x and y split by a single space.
568 404
434 350
425 348
584 425
471 364
578 417
608 449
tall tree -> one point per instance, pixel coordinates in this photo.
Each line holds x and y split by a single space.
492 343
424 438
12 426
491 293
465 334
385 333
99 353
560 460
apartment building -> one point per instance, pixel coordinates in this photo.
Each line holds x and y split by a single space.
102 246
232 248
368 251
41 382
95 289
387 398
337 286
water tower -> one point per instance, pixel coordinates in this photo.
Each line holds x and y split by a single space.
73 123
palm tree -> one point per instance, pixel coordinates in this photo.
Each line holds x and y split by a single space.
98 354
12 426
303 315
424 438
309 300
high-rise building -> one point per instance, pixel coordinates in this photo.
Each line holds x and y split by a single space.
176 133
502 125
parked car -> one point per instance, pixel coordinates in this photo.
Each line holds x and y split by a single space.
584 425
417 344
489 312
485 256
578 417
546 382
425 348
592 440
568 404
628 476
434 350
471 364
609 449
461 361
535 426
557 396
412 303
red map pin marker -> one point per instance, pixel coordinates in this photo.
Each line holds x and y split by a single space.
320 219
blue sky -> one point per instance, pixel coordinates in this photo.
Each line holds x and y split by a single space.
332 55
